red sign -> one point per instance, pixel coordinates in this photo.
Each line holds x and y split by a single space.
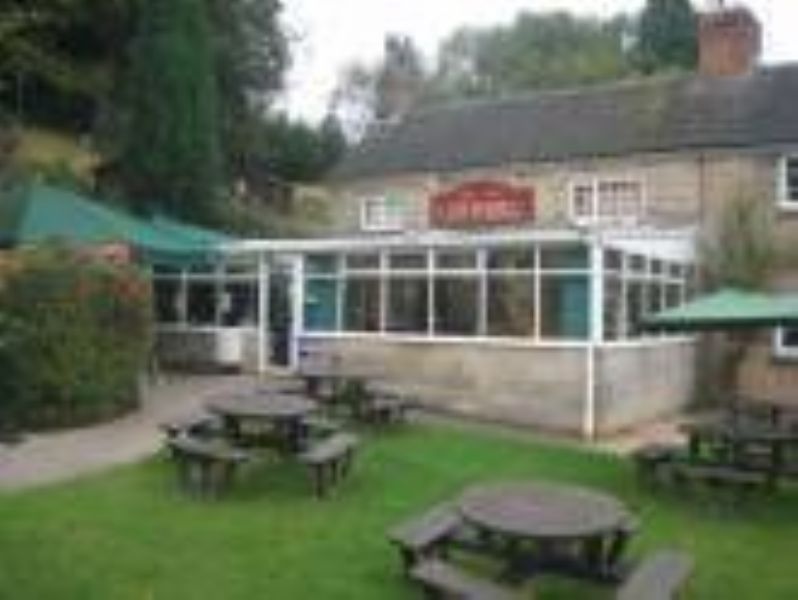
482 203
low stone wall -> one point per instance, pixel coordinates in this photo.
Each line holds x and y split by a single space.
539 386
640 383
196 349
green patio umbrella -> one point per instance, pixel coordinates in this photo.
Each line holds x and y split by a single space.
728 309
34 213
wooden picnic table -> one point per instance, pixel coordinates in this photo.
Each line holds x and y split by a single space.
284 411
553 516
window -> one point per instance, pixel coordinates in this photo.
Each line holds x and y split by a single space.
786 342
321 292
511 305
607 201
362 304
456 306
167 300
408 305
565 307
382 213
788 183
201 306
239 304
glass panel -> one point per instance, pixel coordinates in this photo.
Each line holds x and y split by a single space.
456 260
166 300
362 304
511 258
456 302
634 307
792 179
613 307
240 304
657 267
363 262
321 264
511 306
201 303
321 304
613 260
676 270
582 201
565 307
789 338
637 263
673 295
407 305
564 257
413 261
654 298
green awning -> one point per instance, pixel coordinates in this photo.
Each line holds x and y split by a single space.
34 213
728 309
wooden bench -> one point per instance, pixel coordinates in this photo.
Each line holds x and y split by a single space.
385 410
651 458
720 476
317 426
661 576
195 426
425 535
330 460
206 466
441 579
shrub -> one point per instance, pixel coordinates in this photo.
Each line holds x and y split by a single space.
75 333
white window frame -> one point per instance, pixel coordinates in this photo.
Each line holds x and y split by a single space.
393 214
595 217
786 203
782 350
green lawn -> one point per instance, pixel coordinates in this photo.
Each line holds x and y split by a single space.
130 535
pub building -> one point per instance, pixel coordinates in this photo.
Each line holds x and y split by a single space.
498 256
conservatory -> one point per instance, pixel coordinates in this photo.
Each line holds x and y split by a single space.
531 326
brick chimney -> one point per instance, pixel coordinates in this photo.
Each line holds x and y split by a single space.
729 42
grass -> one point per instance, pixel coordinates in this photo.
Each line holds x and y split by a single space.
128 534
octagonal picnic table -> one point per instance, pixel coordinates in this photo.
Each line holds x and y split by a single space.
285 411
551 516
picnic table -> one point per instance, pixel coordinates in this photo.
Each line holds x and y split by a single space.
284 412
573 530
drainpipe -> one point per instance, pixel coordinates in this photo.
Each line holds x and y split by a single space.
595 336
263 312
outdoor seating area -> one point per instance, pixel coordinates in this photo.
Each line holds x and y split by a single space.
748 447
285 417
526 530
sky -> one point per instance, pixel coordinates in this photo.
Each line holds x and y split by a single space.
331 34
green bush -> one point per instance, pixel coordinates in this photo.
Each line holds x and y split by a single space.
75 333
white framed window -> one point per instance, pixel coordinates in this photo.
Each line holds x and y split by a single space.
607 201
785 342
382 213
788 183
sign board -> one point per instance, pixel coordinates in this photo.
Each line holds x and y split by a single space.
478 203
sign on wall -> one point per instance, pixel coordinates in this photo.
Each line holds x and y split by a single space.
478 203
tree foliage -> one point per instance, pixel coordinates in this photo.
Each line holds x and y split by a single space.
667 36
171 147
536 51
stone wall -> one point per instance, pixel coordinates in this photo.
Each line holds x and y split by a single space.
196 349
639 383
539 386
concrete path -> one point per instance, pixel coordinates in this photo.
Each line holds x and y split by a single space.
52 457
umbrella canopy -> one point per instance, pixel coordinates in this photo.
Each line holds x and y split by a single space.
728 309
35 213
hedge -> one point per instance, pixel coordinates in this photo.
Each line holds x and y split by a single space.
75 334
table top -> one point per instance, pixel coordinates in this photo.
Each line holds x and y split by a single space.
743 432
542 510
263 406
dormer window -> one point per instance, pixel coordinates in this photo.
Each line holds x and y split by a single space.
382 213
788 183
615 201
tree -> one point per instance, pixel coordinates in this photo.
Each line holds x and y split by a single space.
667 36
537 51
252 55
171 157
384 92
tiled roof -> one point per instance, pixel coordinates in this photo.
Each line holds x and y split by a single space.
647 115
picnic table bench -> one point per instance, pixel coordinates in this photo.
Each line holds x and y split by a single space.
661 576
206 466
425 535
441 579
330 460
200 425
721 476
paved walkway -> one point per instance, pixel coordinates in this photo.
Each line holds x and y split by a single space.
52 457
